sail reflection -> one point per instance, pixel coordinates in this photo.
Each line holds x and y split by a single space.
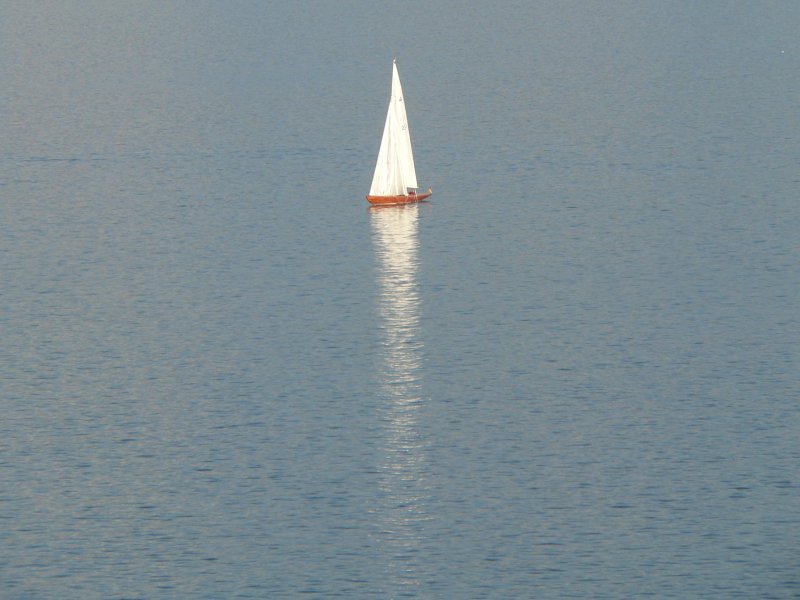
403 511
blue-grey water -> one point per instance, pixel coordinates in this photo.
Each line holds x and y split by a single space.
574 373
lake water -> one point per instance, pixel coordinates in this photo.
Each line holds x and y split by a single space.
573 373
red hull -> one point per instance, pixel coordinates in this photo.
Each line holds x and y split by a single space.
403 199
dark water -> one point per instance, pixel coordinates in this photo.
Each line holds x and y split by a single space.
574 373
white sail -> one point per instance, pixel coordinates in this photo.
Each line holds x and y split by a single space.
394 171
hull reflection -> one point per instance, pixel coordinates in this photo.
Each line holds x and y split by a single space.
402 514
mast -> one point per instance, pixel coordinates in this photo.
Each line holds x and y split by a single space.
404 153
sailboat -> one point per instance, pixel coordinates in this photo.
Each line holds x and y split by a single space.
395 180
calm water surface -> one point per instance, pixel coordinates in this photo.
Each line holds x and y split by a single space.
574 373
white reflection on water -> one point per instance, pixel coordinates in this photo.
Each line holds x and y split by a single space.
402 512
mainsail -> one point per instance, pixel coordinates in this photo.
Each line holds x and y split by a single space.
394 171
